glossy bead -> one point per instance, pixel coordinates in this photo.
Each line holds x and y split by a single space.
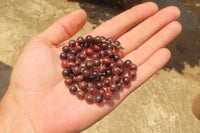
78 48
89 98
115 78
76 70
73 51
80 40
97 62
82 57
63 56
110 46
89 51
73 89
97 39
106 82
119 85
92 90
106 61
127 63
96 48
83 85
98 98
116 57
72 43
102 77
109 53
79 78
99 85
120 63
113 86
66 49
89 63
121 70
132 67
78 62
108 72
94 75
132 74
110 39
86 73
116 70
107 95
95 56
66 72
104 46
68 81
117 43
64 63
89 39
126 80
101 53
71 57
112 65
101 91
102 69
80 94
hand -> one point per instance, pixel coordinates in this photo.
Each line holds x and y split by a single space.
37 92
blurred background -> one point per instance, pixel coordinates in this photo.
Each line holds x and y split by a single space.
167 103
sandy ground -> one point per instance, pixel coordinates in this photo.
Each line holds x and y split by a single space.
161 105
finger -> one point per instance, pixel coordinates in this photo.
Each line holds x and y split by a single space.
65 27
124 21
148 28
148 69
159 40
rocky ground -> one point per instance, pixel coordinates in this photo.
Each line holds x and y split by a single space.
162 105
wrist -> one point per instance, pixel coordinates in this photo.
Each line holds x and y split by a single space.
13 118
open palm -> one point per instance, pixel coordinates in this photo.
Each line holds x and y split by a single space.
37 85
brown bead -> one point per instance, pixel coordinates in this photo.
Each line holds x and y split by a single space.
80 40
89 51
107 95
80 94
96 48
101 91
76 70
64 63
79 78
115 78
106 61
89 98
83 85
71 57
113 86
97 62
109 52
78 48
99 85
92 90
69 64
89 63
86 73
72 43
119 85
126 80
132 67
97 39
68 81
73 89
102 69
132 74
82 57
120 63
66 72
63 56
98 98
127 63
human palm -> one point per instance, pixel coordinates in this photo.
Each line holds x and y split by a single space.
37 85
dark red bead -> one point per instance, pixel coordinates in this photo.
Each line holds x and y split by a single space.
120 63
102 53
80 94
107 95
80 40
108 72
126 80
96 48
132 67
99 85
76 70
86 73
106 61
79 78
68 81
78 62
83 85
89 51
104 46
109 53
71 57
113 86
98 98
63 56
89 39
119 85
73 51
66 49
73 89
101 91
127 63
106 82
102 69
89 63
64 63
72 43
132 74
97 39
66 72
116 70
82 57
110 46
115 78
110 39
97 62
92 90
89 98
78 48
95 56
116 57
94 75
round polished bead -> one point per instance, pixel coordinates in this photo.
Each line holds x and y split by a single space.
110 46
71 57
95 56
76 70
116 57
126 80
89 39
106 82
102 53
82 57
106 61
117 43
99 85
119 85
127 63
102 69
86 73
104 46
64 63
78 48
89 51
132 74
63 56
68 81
97 39
107 95
113 86
92 90
78 62
97 62
108 72
73 89
80 40
120 63
116 70
72 43
115 78
89 98
66 72
101 91
109 53
132 67
80 94
83 85
73 51
66 49
98 98
89 63
94 75
112 65
96 48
